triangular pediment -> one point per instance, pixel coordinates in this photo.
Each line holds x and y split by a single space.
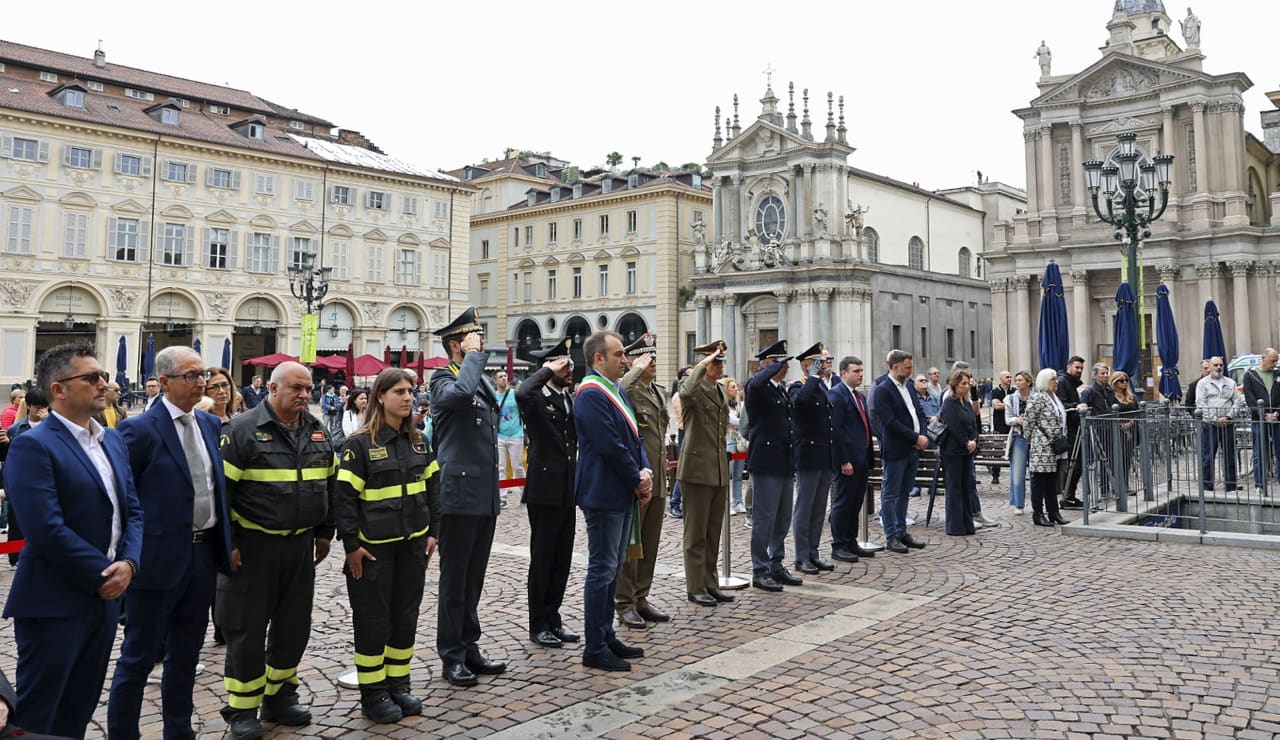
1118 76
601 256
304 227
375 235
130 206
22 192
764 139
440 243
550 261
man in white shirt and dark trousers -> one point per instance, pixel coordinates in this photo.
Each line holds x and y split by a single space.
1219 402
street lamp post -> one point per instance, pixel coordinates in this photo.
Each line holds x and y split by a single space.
308 283
1131 187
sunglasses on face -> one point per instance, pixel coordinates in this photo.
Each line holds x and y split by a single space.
101 376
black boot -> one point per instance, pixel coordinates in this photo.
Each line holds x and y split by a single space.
284 709
399 690
243 724
1041 520
378 706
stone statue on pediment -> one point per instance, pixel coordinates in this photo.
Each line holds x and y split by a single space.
699 234
1045 57
853 218
1191 30
820 220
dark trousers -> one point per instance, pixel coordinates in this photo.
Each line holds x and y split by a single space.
551 534
62 663
958 471
465 542
384 611
1213 438
704 510
265 613
812 488
1044 494
15 533
846 508
163 625
636 576
975 503
770 520
1069 475
1266 449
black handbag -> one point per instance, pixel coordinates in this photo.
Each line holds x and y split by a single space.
1060 445
935 430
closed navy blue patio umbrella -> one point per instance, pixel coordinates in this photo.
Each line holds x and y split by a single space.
1213 344
149 359
226 353
1125 337
196 346
1054 344
1167 342
122 364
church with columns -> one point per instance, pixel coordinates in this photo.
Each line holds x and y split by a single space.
1218 239
808 248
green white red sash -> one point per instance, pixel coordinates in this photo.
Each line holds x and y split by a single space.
594 380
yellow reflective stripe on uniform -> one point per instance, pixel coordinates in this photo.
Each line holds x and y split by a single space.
431 470
355 481
279 675
397 670
238 519
368 661
232 472
244 687
398 654
419 533
274 475
398 661
317 473
244 702
386 492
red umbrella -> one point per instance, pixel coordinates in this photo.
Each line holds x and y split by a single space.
366 366
330 362
349 367
270 361
386 355
404 356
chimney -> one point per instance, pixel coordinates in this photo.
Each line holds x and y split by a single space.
100 57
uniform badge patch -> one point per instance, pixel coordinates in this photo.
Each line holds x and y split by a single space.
317 436
377 453
420 448
262 436
225 441
348 455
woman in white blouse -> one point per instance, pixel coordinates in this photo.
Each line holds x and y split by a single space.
1019 446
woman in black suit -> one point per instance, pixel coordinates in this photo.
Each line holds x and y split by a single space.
957 446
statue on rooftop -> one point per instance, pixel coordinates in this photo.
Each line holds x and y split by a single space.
1191 30
1045 57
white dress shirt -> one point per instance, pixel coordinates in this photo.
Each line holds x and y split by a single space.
906 392
90 441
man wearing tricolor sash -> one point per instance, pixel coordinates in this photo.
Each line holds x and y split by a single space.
613 477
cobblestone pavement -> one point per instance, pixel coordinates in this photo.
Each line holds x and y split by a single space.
1016 632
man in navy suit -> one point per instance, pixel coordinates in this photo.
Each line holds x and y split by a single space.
902 423
177 467
75 500
613 474
853 455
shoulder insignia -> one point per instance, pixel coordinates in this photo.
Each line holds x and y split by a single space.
262 436
225 441
348 455
377 453
420 448
318 436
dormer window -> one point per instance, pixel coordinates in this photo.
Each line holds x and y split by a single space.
251 128
532 198
166 113
540 169
255 130
606 185
555 195
169 116
73 98
577 190
633 180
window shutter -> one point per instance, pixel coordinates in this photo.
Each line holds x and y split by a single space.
275 254
235 179
97 159
206 239
119 161
188 245
146 166
66 154
368 199
42 152
333 193
113 224
144 241
208 176
233 248
191 173
6 146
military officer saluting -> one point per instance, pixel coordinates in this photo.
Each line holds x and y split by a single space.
704 473
772 468
464 413
546 406
648 398
811 419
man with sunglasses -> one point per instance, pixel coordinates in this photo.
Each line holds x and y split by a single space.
177 467
74 495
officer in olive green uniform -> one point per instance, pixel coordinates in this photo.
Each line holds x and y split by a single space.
704 473
648 399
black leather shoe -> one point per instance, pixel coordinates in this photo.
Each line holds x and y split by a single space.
1071 503
649 614
624 651
606 661
719 595
1040 520
766 583
821 564
381 709
399 690
485 667
893 544
243 725
703 599
284 710
459 675
844 556
545 639
912 542
807 568
632 619
1060 519
863 553
783 576
564 634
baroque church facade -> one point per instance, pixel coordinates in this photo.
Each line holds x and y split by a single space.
1220 236
808 248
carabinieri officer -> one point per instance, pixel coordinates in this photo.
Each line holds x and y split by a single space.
387 507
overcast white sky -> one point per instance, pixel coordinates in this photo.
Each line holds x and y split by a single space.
928 84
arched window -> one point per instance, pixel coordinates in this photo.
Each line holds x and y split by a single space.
771 220
964 261
873 244
915 253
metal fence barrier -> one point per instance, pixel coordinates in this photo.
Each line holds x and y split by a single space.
1170 467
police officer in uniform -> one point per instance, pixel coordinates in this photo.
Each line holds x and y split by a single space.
811 418
546 406
648 399
704 473
280 468
464 412
387 508
772 468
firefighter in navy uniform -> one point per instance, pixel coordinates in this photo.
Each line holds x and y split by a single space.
280 467
387 507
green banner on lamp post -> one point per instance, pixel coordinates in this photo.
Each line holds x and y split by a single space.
310 334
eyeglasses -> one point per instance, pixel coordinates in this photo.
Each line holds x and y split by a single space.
101 376
1122 380
194 376
218 387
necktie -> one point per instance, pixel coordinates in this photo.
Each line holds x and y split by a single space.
199 470
863 413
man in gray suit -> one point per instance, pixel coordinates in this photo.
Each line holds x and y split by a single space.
464 412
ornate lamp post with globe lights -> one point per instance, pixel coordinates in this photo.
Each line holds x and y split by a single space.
309 284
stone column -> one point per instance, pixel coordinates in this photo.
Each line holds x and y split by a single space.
1001 320
703 327
824 315
1029 148
717 319
1240 304
793 220
1021 331
734 352
1202 147
784 301
804 297
844 327
864 342
1048 204
718 201
1078 198
741 216
1205 275
1080 313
